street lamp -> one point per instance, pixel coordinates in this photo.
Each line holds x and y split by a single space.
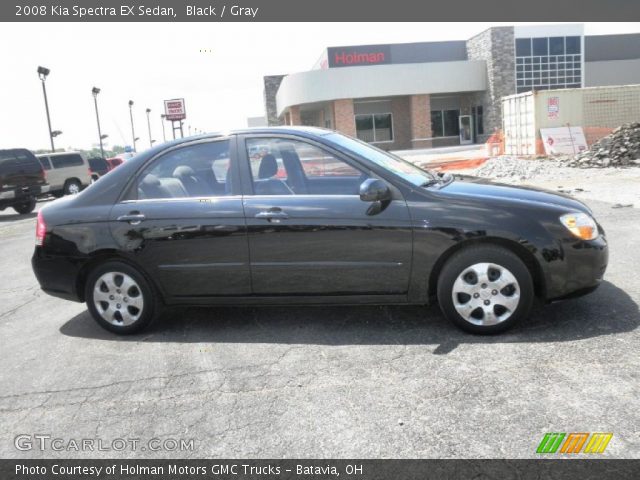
95 91
164 136
133 132
149 127
42 74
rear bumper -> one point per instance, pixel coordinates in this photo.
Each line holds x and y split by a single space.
18 195
57 276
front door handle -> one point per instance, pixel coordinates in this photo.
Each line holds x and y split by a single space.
274 213
134 218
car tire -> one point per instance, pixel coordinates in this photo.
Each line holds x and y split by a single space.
72 187
26 207
485 289
120 298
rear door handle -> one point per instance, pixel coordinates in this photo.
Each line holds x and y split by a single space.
132 218
274 213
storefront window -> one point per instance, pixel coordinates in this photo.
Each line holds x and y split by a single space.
478 114
436 123
444 123
374 128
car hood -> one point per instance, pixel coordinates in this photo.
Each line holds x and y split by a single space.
468 186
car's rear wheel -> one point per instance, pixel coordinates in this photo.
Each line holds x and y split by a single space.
485 289
26 207
72 187
120 299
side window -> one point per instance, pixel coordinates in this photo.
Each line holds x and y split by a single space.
44 161
200 170
281 166
62 161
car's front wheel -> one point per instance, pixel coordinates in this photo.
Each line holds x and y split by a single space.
485 289
120 299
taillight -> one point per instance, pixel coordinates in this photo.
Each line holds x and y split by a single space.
43 173
41 230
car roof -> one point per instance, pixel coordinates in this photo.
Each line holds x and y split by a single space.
54 154
279 130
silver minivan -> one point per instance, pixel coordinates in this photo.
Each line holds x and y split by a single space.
67 172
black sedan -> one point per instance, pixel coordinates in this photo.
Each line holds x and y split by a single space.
309 216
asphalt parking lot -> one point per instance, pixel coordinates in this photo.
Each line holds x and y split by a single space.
347 382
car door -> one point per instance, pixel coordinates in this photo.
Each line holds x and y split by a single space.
309 232
182 220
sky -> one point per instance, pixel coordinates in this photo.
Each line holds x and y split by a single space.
216 67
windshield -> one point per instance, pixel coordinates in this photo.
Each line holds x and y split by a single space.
386 160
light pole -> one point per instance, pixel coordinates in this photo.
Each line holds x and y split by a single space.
164 136
133 132
95 91
42 73
151 140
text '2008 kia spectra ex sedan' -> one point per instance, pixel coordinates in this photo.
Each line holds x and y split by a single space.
309 216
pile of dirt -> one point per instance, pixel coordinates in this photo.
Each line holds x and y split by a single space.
620 149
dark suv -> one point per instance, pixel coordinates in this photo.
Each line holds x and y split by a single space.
22 179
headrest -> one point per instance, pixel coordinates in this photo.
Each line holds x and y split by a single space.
150 180
268 166
183 171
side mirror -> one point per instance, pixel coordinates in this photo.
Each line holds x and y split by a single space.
374 190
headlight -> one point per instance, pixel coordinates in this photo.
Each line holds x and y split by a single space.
581 225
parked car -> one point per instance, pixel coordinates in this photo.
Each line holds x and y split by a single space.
21 180
114 162
67 172
98 167
200 221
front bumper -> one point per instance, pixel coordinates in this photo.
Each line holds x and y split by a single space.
580 269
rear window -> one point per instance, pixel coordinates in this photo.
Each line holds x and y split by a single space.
67 160
15 160
98 164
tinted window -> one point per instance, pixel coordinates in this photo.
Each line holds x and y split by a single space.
374 127
573 45
98 164
194 171
12 161
540 46
523 47
44 161
66 160
436 123
282 166
556 45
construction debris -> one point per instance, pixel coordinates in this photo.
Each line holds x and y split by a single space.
619 149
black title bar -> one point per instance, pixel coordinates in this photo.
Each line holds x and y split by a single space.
319 469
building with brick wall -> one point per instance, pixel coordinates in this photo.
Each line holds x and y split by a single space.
428 94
